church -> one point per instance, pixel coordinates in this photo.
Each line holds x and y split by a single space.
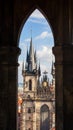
38 100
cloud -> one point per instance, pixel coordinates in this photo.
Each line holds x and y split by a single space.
43 35
37 17
27 40
37 21
45 55
37 14
20 78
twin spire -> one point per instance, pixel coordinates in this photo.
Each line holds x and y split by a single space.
31 60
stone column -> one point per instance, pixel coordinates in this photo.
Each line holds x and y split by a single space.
8 87
64 87
68 87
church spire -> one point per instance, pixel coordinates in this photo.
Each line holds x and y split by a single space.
35 58
31 47
31 63
39 70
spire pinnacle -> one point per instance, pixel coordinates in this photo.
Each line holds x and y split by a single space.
39 70
31 32
35 58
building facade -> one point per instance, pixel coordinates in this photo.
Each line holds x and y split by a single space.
38 101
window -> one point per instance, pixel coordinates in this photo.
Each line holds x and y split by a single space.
30 85
44 121
29 110
28 96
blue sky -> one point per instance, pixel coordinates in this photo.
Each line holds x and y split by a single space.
42 40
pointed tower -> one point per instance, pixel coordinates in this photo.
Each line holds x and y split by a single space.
27 61
30 81
31 74
30 59
35 58
39 70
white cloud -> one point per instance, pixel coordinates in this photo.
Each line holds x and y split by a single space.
37 21
45 54
27 40
20 78
37 14
44 68
37 17
43 35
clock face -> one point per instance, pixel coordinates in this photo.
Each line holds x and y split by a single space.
45 84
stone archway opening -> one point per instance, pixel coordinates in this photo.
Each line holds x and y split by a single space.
45 55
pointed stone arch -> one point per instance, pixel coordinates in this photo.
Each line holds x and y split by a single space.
47 109
44 118
27 16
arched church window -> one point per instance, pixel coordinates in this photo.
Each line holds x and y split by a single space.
30 85
44 118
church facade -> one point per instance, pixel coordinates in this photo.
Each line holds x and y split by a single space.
38 100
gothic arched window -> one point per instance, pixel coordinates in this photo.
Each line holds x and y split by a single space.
30 84
44 118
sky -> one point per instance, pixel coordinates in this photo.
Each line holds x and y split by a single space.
42 39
